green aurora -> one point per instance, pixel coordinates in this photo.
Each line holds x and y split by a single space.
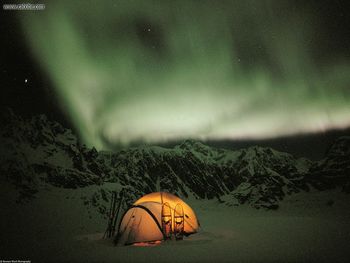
154 71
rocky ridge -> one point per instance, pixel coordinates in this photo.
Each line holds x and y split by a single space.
37 152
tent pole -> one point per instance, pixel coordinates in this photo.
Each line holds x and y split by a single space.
110 217
117 212
113 215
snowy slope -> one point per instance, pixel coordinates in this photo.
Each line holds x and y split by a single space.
56 227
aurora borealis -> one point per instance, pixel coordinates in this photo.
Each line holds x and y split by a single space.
153 71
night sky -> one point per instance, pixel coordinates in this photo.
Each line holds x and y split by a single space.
121 72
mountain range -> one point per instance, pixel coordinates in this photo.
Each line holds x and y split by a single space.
37 152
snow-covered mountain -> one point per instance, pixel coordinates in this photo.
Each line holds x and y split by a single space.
259 176
334 169
36 152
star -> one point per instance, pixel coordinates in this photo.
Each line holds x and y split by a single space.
149 30
26 80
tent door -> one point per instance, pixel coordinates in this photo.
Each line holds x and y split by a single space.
166 221
179 222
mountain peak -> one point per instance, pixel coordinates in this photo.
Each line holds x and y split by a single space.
189 143
196 147
341 146
256 175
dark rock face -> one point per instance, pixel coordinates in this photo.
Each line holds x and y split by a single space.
334 169
259 176
38 151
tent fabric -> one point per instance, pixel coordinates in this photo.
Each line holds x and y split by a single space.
138 225
143 223
191 222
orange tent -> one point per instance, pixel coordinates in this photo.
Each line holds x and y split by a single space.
154 217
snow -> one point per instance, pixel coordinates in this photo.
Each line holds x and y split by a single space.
66 224
57 226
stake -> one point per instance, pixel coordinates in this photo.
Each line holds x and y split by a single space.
117 212
111 216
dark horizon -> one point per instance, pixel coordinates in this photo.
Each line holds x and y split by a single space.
313 146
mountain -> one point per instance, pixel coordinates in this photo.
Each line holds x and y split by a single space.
259 176
37 152
334 169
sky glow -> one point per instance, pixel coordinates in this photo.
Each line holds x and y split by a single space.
153 71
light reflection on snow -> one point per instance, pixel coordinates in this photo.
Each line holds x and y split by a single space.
147 244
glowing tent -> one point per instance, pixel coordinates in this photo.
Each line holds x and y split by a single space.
155 217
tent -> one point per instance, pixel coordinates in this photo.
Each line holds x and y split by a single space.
155 217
